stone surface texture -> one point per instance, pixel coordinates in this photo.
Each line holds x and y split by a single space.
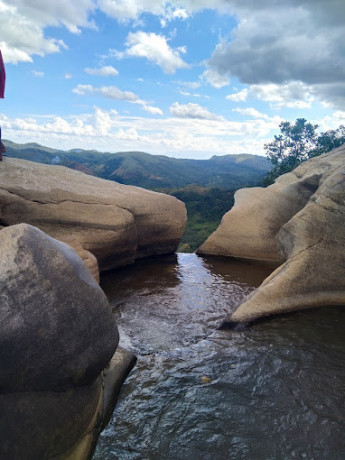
57 337
107 223
298 222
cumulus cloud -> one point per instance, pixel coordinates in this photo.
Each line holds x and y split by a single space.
152 110
171 14
23 23
215 79
295 94
104 129
192 110
106 71
283 42
168 10
72 15
240 96
155 48
124 10
100 122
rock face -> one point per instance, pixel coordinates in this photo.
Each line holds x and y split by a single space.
107 223
298 222
57 336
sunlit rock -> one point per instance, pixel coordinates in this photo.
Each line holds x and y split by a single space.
298 221
107 223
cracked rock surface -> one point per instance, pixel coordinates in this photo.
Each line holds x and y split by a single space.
298 222
107 223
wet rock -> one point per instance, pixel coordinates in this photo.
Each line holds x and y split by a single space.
115 223
298 221
57 337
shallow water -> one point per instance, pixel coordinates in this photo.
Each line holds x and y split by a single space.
271 391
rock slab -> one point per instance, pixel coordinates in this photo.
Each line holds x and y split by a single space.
298 222
107 223
57 337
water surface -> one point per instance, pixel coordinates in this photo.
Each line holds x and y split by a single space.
272 391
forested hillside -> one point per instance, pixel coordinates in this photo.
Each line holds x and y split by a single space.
206 186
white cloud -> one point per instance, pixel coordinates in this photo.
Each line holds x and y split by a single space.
102 130
240 96
101 122
155 48
251 112
215 79
295 94
113 92
332 121
189 84
72 15
167 10
152 110
172 14
68 76
192 110
127 134
188 94
106 71
281 43
274 42
105 130
130 9
23 23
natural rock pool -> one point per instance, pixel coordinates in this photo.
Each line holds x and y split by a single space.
272 391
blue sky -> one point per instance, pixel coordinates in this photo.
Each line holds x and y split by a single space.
179 78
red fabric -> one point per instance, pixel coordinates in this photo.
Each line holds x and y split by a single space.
2 77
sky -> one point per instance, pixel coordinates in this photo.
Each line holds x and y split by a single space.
187 79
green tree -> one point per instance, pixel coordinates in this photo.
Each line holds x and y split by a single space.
295 144
329 140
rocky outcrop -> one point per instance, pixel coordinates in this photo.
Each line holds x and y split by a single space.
298 222
60 370
107 223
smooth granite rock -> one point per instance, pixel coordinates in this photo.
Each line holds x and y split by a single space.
298 221
108 224
58 343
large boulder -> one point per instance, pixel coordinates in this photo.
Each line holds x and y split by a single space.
107 223
297 222
57 339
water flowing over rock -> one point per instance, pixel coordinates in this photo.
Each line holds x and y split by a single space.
57 337
107 223
298 222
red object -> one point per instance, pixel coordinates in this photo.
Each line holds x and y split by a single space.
2 77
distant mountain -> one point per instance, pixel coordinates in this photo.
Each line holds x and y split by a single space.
156 172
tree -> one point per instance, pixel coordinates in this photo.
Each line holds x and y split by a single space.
295 144
329 140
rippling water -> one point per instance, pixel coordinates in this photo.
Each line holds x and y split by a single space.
272 391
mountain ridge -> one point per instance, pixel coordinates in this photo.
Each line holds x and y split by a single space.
157 172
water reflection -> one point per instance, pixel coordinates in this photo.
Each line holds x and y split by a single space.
274 391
